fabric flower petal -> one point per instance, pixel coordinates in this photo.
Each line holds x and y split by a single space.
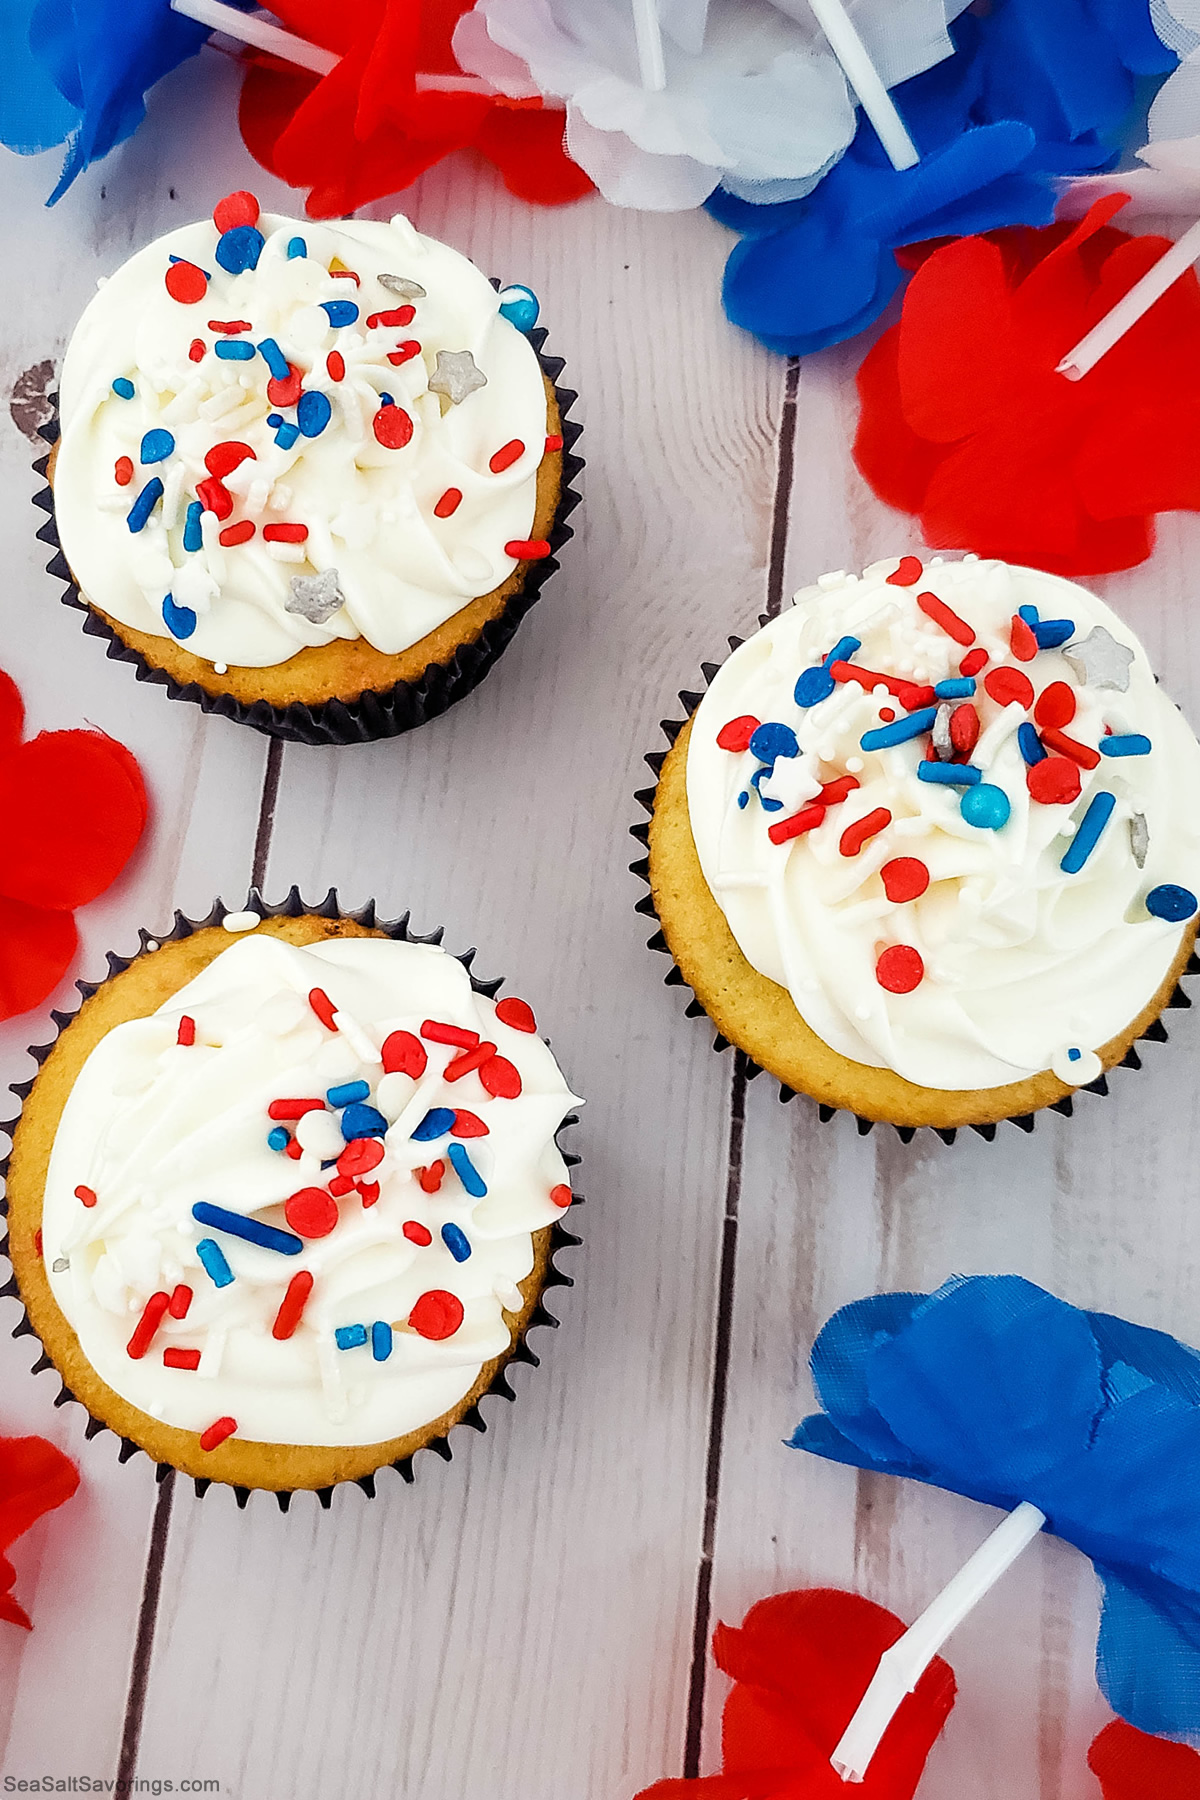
37 947
1130 1765
35 1477
74 808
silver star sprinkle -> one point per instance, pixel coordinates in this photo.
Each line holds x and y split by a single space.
315 597
941 732
59 1264
400 284
1099 660
1139 838
456 375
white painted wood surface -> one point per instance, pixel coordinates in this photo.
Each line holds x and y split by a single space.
518 1625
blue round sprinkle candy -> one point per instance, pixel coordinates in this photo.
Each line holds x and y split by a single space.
277 1138
180 621
815 684
435 1124
239 249
743 799
156 446
772 740
339 312
456 1241
296 247
274 420
123 387
985 806
1171 903
313 412
1074 1055
519 305
360 1121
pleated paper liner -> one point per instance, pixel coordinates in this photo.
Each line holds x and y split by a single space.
560 1238
1156 1032
372 715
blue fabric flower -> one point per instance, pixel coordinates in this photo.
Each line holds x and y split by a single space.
996 1390
1033 91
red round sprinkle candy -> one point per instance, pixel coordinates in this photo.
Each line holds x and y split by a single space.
972 662
285 390
1055 705
516 1013
527 549
404 352
186 283
1006 685
323 1006
392 427
437 1314
87 1195
506 456
186 1033
1053 781
235 209
467 1125
123 471
964 728
217 1433
369 1191
360 1156
241 533
404 1054
215 497
900 969
561 1195
553 443
887 714
335 364
196 350
909 572
737 734
175 1358
904 878
285 534
416 1233
500 1078
1022 642
431 1177
226 456
449 503
311 1213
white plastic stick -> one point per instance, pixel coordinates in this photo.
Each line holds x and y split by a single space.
901 1667
264 34
648 33
1141 297
865 79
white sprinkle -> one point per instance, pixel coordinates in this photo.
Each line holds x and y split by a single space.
356 1037
508 1294
854 765
220 668
241 921
152 944
835 578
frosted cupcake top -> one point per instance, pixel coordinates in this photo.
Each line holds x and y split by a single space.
276 434
297 1200
949 810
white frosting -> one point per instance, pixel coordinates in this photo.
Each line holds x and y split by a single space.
1023 962
369 509
152 1127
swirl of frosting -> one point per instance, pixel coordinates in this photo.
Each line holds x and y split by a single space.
371 1293
949 810
337 440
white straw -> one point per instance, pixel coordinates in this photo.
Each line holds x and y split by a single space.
253 28
901 1667
648 32
864 78
1141 297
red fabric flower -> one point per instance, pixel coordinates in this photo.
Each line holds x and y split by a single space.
34 1479
1131 1766
800 1664
73 806
965 422
364 130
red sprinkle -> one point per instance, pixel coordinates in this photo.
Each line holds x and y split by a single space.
293 1109
87 1195
230 327
862 830
554 442
886 714
226 456
293 1150
285 534
181 1359
187 1030
147 1325
311 1212
335 365
518 1014
911 695
942 615
561 1195
900 969
470 1059
964 728
369 1191
404 352
437 1314
904 878
215 497
241 533
180 1301
345 275
908 574
500 1079
1022 642
123 471
340 1184
360 1156
323 1006
392 427
833 791
417 1233
1055 704
467 1125
217 1433
196 350
506 456
972 662
1054 781
186 283
431 1178
527 549
403 1054
1082 754
737 734
285 390
292 1305
240 208
439 1033
449 503
39 1248
395 315
807 819
1006 685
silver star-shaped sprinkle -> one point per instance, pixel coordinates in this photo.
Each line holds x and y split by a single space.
315 597
400 284
457 375
60 1264
941 732
1139 838
1099 660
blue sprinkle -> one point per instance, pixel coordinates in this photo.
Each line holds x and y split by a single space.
254 1232
313 413
457 1242
950 774
235 350
1074 1055
1030 616
815 684
772 740
287 435
1088 834
466 1171
519 305
381 1340
193 537
145 504
123 387
1130 743
296 247
360 1121
1171 903
348 1093
274 420
339 312
1050 633
1030 744
274 358
959 687
435 1124
900 732
350 1337
769 805
985 806
277 1138
180 621
157 445
213 1258
386 400
743 799
843 650
239 249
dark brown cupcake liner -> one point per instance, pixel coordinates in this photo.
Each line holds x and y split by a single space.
1155 1032
373 715
560 1238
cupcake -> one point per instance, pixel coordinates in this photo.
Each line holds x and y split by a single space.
927 848
283 1198
308 474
